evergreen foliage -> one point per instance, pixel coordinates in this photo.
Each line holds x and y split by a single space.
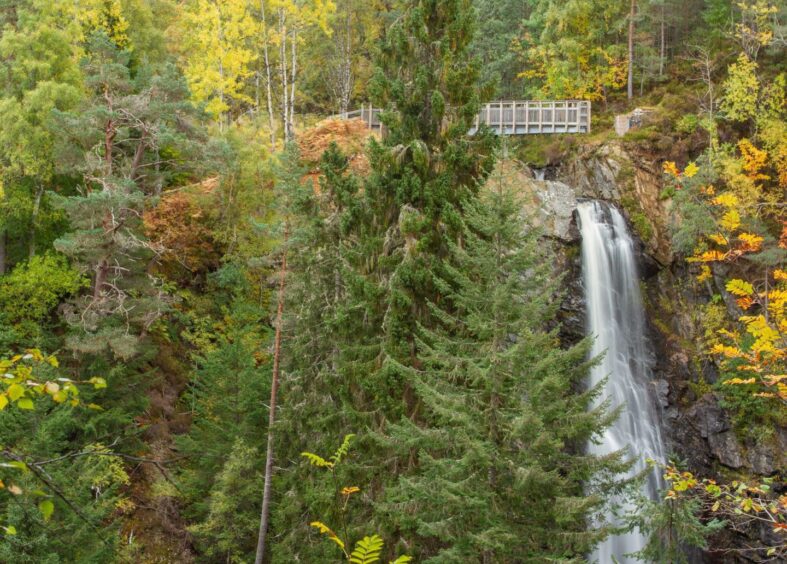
507 427
109 142
139 236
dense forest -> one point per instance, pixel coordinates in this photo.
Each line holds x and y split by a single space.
236 326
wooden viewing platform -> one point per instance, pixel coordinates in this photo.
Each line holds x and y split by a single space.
515 117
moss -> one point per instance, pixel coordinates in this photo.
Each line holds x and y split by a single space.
625 176
542 150
639 219
572 251
642 225
643 134
700 388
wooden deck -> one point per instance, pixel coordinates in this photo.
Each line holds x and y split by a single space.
514 117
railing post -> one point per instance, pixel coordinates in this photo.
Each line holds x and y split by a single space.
589 110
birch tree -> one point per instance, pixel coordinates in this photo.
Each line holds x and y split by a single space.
293 19
219 54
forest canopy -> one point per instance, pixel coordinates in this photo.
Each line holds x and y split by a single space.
235 327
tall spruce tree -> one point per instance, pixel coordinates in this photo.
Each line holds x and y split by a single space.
500 443
364 277
421 172
328 348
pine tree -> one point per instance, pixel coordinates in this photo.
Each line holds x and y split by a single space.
115 141
501 466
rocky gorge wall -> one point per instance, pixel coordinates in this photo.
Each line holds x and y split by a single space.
697 428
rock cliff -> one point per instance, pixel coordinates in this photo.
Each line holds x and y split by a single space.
698 428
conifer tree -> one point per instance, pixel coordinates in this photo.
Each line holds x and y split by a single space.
425 167
501 466
115 141
325 341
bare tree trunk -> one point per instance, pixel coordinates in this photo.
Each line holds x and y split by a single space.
31 244
663 44
285 107
345 71
102 268
109 136
137 160
268 81
221 71
257 92
266 491
632 14
293 48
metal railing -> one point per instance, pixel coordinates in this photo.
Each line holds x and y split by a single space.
515 117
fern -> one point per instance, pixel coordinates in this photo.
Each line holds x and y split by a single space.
403 559
317 460
326 530
367 550
342 450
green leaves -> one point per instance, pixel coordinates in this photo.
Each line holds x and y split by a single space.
33 289
367 550
336 457
25 403
317 460
23 387
15 391
98 383
342 451
46 507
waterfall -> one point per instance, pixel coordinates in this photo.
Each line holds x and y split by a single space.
615 317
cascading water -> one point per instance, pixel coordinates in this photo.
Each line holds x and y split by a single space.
616 319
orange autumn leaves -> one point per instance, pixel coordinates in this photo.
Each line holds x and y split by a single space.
755 353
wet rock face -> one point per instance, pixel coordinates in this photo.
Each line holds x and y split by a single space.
557 205
707 418
697 428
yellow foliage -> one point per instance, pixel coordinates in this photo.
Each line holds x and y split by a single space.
217 51
740 288
738 381
726 350
718 238
730 220
690 170
754 159
727 199
707 256
324 529
705 273
671 168
752 243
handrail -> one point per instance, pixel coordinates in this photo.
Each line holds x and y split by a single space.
510 117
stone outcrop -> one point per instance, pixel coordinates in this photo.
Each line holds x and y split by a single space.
697 426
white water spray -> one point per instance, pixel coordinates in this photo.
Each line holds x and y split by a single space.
615 317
